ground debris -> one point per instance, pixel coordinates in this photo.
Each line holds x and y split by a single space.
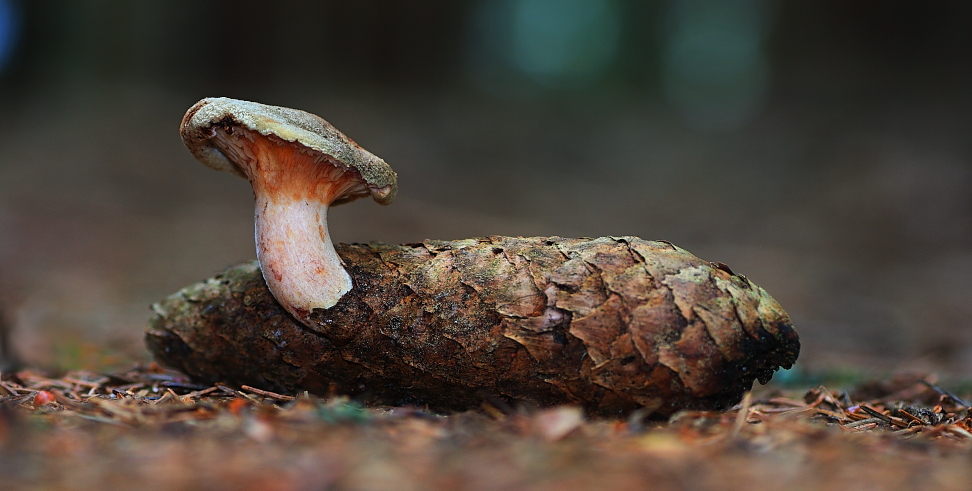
150 426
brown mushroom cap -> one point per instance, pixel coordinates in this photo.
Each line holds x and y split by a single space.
312 134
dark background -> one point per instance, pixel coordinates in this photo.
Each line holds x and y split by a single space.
822 148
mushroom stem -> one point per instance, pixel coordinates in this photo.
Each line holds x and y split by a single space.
293 191
297 256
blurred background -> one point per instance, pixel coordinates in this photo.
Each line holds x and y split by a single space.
824 149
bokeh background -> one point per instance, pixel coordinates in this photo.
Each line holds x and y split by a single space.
822 148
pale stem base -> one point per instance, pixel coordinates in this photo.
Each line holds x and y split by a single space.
297 256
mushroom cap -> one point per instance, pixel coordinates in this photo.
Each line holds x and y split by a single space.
307 130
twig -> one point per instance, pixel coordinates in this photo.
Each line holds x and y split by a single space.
959 431
12 390
200 393
66 402
227 389
232 391
92 384
909 431
911 417
826 396
182 385
945 392
876 414
830 414
789 409
743 414
267 393
165 397
863 422
786 401
124 389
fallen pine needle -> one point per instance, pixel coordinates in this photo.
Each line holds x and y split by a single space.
267 393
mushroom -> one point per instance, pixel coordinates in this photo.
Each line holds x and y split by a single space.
298 165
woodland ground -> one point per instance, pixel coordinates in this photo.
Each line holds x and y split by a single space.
150 428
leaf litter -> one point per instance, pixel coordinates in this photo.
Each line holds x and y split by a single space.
151 428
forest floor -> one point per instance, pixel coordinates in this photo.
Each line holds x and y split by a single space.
150 428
